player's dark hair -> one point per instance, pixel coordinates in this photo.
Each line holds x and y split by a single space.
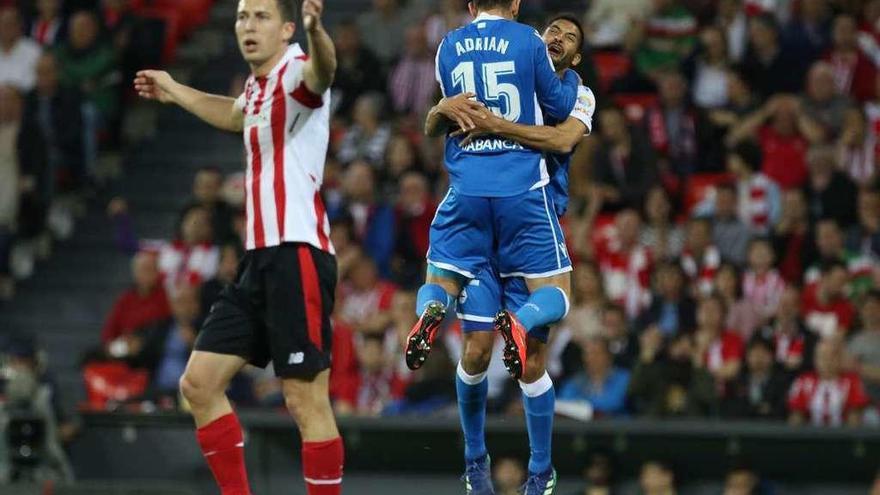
488 4
287 8
572 19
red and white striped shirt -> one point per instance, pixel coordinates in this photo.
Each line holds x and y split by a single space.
827 402
788 347
763 290
286 134
44 32
182 264
627 275
755 197
701 272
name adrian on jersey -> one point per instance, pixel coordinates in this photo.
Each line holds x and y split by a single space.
492 144
488 44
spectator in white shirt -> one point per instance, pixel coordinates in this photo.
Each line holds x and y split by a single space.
18 55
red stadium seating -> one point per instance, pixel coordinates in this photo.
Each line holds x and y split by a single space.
634 105
611 65
181 18
112 382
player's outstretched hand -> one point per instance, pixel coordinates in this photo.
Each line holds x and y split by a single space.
312 10
463 109
154 85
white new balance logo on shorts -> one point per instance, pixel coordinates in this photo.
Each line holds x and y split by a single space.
296 358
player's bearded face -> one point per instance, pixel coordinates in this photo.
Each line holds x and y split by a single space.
260 30
562 40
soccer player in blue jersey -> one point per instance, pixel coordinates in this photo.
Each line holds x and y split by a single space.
482 297
497 206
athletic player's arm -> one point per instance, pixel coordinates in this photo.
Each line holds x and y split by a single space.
320 68
219 111
559 139
461 110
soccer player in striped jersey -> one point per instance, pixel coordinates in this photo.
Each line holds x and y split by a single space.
279 308
484 296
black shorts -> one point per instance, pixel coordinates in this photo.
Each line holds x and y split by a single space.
278 310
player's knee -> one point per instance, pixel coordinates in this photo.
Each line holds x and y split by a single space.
475 360
306 404
195 390
534 369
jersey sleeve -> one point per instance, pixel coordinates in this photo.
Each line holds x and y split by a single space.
556 97
295 85
240 102
438 71
585 107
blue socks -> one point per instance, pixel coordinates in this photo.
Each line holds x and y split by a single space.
431 293
472 391
545 306
539 401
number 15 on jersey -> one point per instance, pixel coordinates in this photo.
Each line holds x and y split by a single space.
503 98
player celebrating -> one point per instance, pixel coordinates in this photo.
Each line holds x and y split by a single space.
279 308
497 196
483 297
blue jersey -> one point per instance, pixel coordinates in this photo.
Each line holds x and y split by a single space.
507 66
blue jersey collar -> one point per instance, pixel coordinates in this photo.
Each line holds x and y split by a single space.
487 17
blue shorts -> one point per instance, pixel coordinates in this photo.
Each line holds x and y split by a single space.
483 297
521 232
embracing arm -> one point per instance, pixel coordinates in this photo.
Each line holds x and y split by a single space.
436 124
218 111
461 109
559 139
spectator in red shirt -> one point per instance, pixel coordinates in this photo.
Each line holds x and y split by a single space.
720 350
626 265
144 304
828 395
784 131
825 307
793 343
375 386
366 299
791 237
414 212
854 73
700 259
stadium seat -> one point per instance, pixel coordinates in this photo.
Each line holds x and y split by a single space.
610 65
112 382
192 13
634 105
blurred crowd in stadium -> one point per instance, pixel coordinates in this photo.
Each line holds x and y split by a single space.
724 220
